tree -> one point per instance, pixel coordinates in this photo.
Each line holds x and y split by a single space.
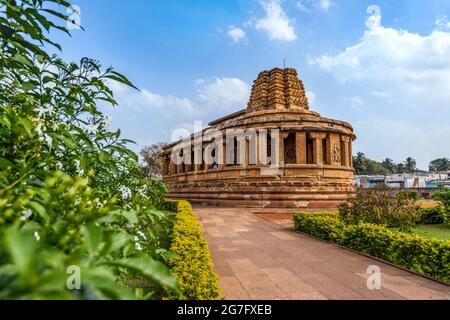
410 165
367 166
153 160
443 196
71 192
389 165
360 163
441 164
400 168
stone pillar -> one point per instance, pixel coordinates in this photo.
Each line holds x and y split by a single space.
350 153
283 135
247 152
262 151
317 146
300 147
223 155
260 143
329 148
345 154
165 167
241 151
198 156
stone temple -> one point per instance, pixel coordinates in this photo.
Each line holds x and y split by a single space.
276 153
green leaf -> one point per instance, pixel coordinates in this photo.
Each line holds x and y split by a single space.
129 215
101 283
5 163
22 249
150 269
40 210
67 140
28 85
22 59
93 237
103 157
28 125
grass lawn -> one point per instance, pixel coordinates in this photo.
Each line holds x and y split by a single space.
437 231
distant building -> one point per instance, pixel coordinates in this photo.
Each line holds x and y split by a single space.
423 182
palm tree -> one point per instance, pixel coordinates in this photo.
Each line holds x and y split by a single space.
410 165
389 165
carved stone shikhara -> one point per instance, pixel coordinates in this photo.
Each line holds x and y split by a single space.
311 156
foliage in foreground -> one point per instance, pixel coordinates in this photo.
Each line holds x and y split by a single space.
381 206
72 200
193 267
427 256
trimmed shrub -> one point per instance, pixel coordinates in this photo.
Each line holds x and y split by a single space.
435 215
381 206
427 256
192 267
168 205
321 225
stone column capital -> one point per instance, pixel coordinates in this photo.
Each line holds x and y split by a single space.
284 134
317 135
345 139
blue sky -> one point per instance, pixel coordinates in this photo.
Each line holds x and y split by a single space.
383 66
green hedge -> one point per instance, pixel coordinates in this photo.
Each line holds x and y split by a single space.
434 215
427 256
168 205
193 267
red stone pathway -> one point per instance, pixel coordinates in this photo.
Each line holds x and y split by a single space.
260 259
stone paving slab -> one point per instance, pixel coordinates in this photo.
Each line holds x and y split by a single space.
257 257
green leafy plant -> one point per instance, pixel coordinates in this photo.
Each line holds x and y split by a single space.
382 206
443 197
72 196
433 215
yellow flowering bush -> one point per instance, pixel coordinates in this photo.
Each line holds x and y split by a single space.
192 267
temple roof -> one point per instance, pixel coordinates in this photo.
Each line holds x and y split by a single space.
278 89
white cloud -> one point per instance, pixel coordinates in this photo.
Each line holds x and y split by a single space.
236 34
147 117
227 94
220 93
311 98
325 4
403 65
443 22
402 80
302 6
308 5
276 23
356 102
145 100
380 137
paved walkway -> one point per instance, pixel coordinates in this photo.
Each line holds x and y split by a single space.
260 259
